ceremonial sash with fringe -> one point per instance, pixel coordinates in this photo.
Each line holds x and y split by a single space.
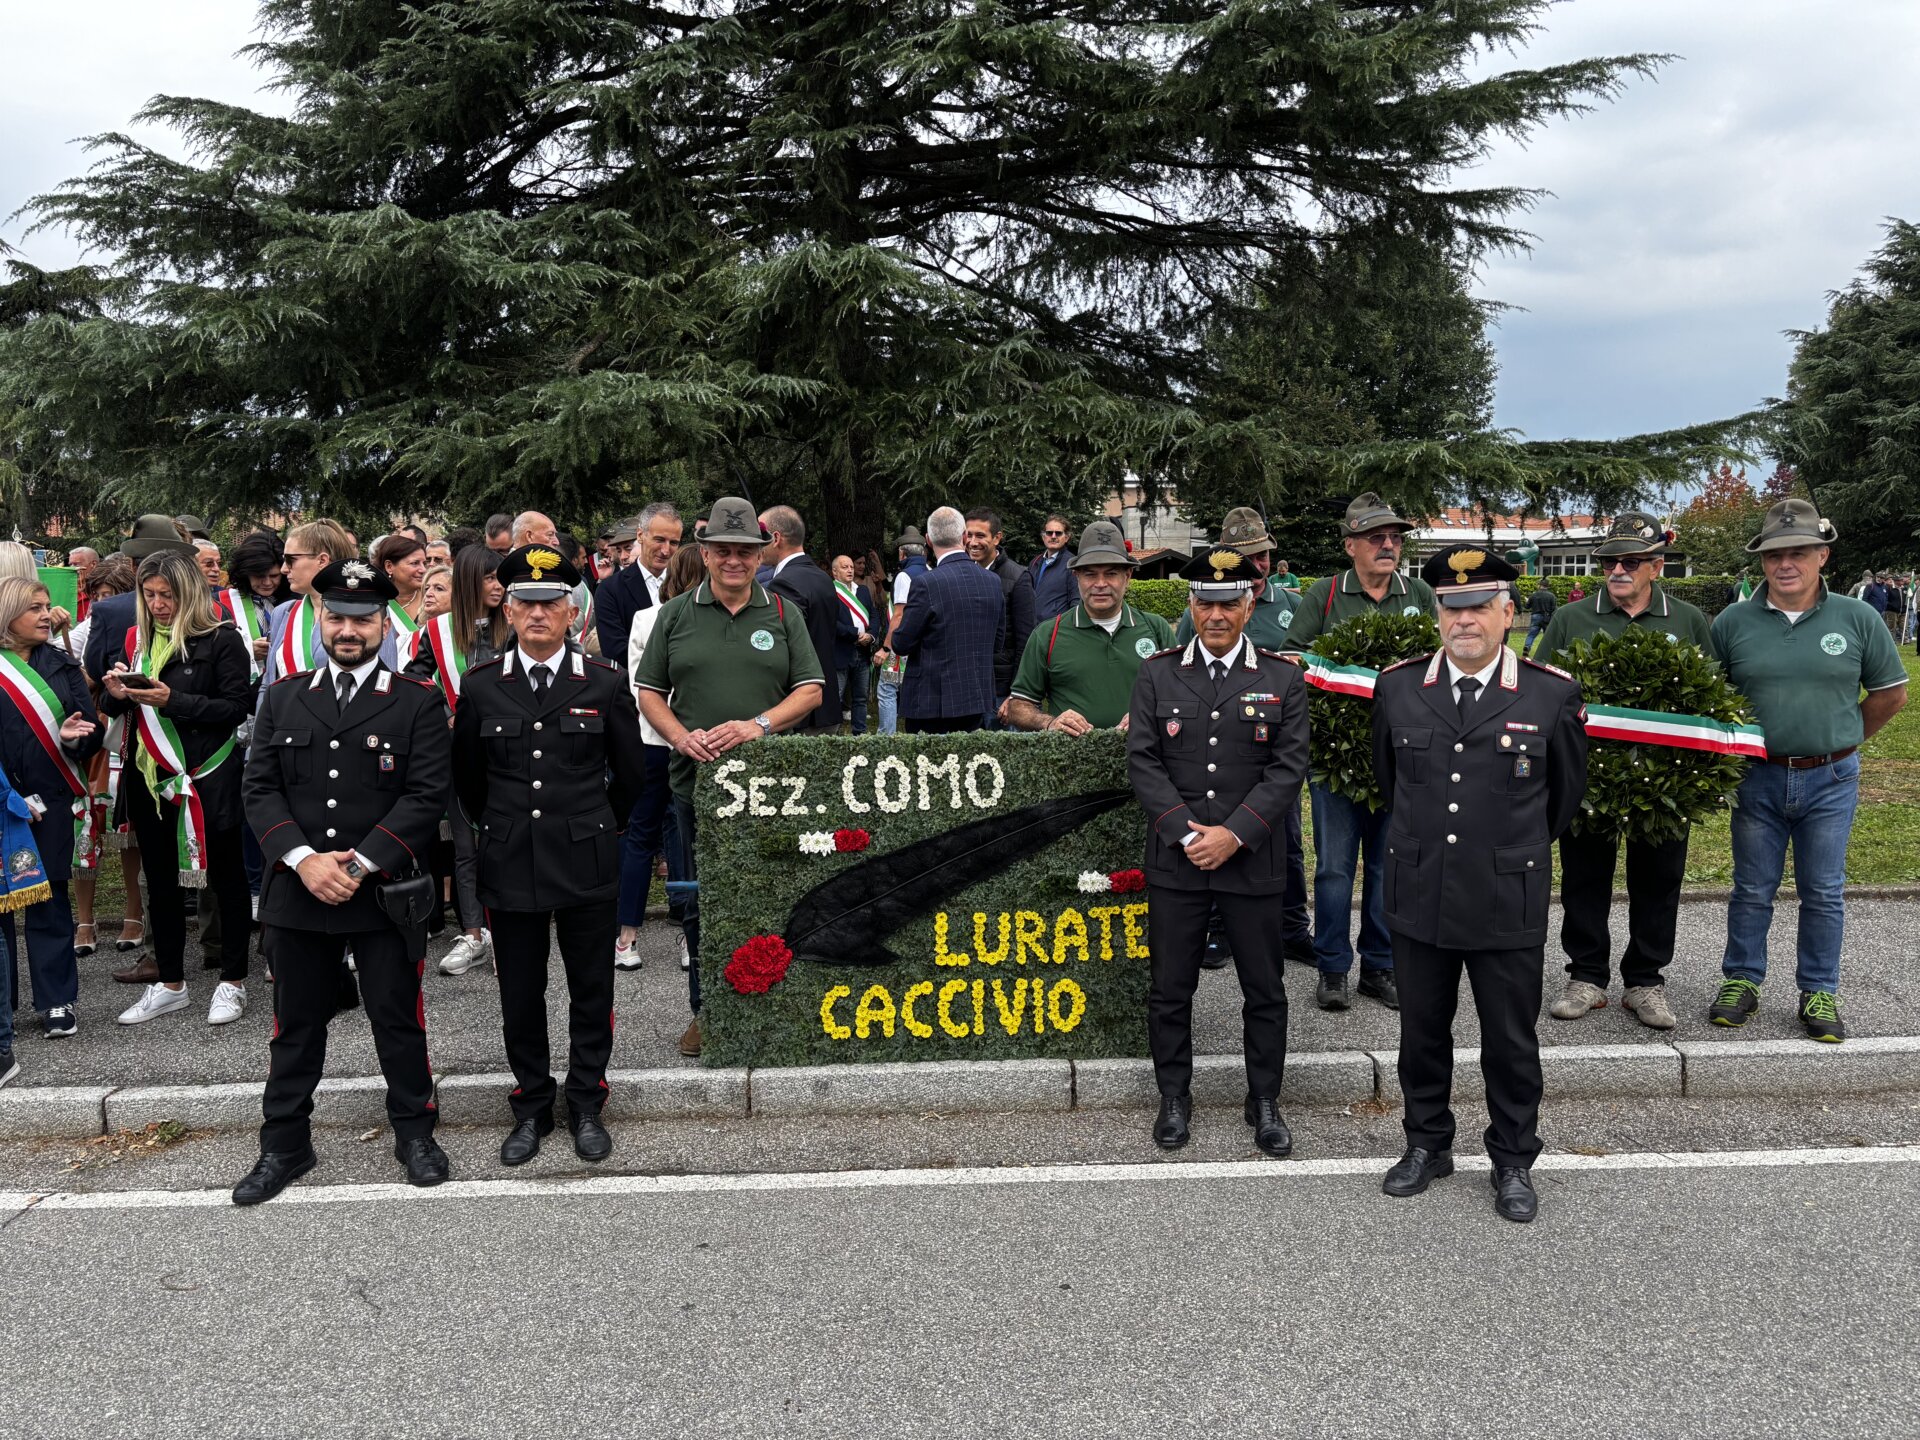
162 741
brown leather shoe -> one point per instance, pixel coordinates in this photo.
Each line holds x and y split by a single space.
690 1042
142 972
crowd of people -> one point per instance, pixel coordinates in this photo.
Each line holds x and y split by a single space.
198 712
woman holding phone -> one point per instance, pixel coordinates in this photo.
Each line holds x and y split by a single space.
184 689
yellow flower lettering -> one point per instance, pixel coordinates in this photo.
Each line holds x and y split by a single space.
945 1009
1011 1015
875 1008
999 952
1028 928
1134 917
1104 914
917 1028
1069 933
941 955
835 1030
1071 1018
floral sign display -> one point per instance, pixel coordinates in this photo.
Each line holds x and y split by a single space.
932 897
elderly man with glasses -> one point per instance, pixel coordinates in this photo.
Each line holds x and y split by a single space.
1631 558
1373 537
1055 591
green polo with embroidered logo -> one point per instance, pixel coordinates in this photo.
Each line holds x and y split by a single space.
1805 677
1072 663
1331 602
1273 612
717 666
1598 615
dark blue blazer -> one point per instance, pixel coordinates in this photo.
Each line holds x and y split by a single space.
950 633
1056 592
621 596
32 773
811 588
111 617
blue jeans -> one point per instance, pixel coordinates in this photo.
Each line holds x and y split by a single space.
49 945
644 841
1536 627
1813 811
1342 830
6 998
887 698
853 690
680 867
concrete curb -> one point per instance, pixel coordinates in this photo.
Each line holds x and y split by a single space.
1726 1069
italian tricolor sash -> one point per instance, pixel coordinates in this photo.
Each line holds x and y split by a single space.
403 623
449 659
246 619
44 714
1604 722
295 655
850 597
157 734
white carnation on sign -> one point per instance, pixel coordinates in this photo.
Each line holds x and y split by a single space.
816 842
1092 882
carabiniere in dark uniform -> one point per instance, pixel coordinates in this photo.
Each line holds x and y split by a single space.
548 761
1207 752
358 790
1485 757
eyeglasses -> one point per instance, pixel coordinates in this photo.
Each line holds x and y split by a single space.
297 555
1385 540
1628 563
1053 534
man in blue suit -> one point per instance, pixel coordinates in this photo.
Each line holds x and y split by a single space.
950 632
1055 591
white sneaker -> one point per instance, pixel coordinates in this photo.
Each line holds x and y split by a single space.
466 952
626 954
686 959
154 1001
229 1003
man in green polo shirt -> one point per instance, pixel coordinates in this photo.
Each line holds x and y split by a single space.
1802 655
1374 539
1076 673
727 664
1631 557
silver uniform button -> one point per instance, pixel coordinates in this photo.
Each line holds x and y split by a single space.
1216 714
333 774
536 754
1529 864
1453 809
1451 839
1212 768
538 726
333 744
1458 747
1455 777
1209 794
332 833
535 814
1213 740
536 784
332 804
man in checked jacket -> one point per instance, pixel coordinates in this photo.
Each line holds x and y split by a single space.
951 631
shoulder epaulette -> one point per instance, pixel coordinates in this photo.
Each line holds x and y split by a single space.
485 665
416 680
1550 669
1170 650
1410 660
1271 654
296 675
601 661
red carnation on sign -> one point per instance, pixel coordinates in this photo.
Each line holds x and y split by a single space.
848 842
759 965
1125 882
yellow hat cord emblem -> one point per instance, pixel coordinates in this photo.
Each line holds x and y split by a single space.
1463 561
541 560
1223 561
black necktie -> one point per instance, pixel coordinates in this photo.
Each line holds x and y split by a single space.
1469 689
1219 669
343 690
541 677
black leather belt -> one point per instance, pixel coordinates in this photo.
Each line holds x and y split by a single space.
1810 762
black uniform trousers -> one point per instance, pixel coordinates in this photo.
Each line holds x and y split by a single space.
521 945
307 991
1177 936
1654 876
155 825
1506 993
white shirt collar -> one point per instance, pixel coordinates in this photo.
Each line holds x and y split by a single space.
1231 658
1485 674
553 662
359 672
653 581
786 560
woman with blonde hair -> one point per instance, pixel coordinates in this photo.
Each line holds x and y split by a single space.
48 733
185 690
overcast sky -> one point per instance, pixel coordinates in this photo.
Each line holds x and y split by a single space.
1691 223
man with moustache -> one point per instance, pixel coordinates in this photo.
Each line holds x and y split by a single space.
1485 757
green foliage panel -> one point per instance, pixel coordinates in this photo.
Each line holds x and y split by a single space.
755 805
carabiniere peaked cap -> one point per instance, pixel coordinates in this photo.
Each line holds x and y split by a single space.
1461 579
732 522
353 587
535 572
1220 573
1101 543
1790 523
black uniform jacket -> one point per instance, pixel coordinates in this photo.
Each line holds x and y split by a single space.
1232 755
211 677
549 783
1477 804
375 780
29 767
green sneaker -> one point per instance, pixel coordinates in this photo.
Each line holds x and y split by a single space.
1736 1001
1820 1013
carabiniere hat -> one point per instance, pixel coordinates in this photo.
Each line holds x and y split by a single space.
1790 523
536 572
1218 574
1101 543
1369 512
732 522
1461 579
353 587
1245 531
153 534
1634 532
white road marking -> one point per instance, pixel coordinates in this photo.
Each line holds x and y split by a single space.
590 1187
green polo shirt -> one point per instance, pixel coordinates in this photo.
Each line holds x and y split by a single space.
1804 678
1273 612
1332 602
716 666
1598 615
1072 663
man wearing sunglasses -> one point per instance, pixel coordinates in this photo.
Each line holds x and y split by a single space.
1631 558
1055 591
1374 539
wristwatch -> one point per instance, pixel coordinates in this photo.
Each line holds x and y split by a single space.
355 870
766 725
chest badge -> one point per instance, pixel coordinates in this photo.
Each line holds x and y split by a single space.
1260 734
1834 644
1173 728
1506 741
386 764
1143 647
1522 767
761 640
373 742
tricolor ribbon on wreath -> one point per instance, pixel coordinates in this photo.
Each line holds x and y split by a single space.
156 734
1604 722
44 714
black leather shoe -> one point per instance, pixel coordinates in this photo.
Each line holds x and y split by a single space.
1417 1169
1380 985
524 1141
426 1162
590 1138
1300 950
1331 992
1513 1197
1217 956
1170 1131
1270 1132
277 1170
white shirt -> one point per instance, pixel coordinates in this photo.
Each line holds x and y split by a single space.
902 583
1114 624
1231 657
636 647
654 582
786 560
1793 616
1485 675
